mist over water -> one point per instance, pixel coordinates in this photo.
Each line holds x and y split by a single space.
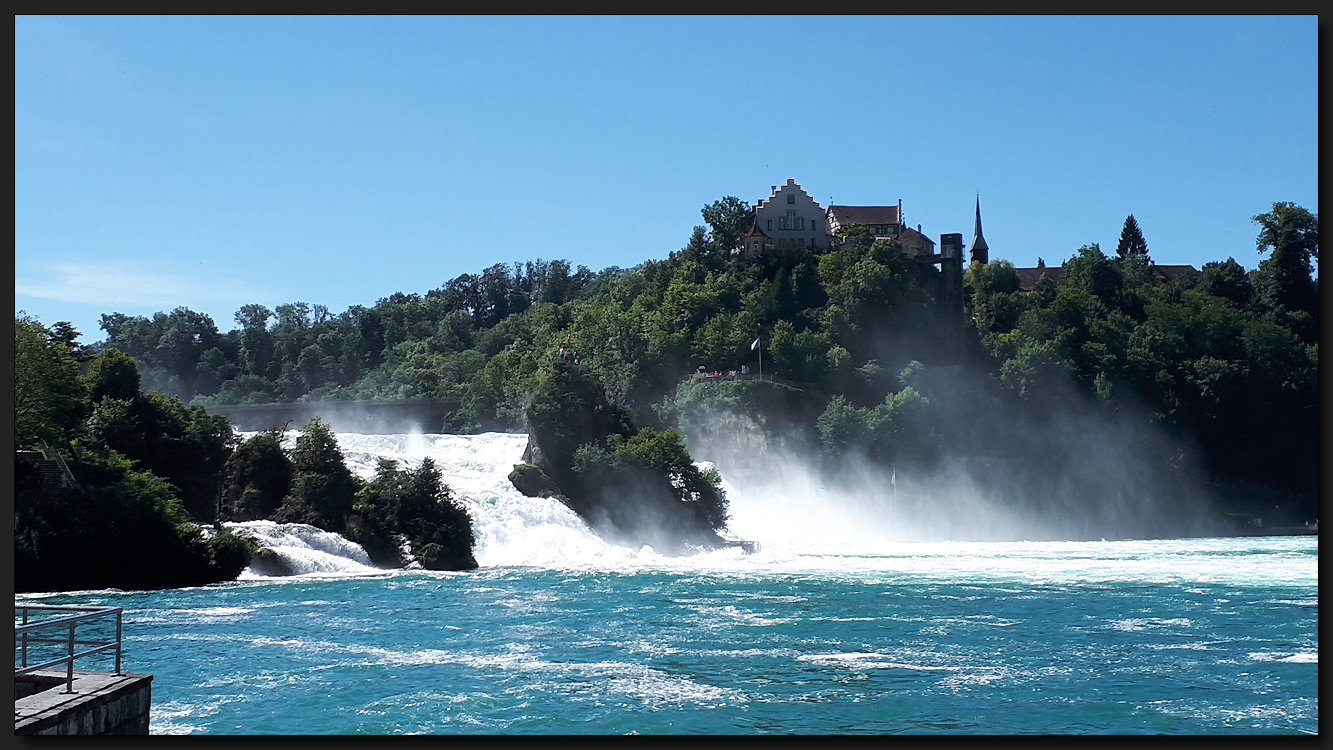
802 519
1065 469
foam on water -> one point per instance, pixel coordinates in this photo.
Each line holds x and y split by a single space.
1119 637
823 535
510 528
306 549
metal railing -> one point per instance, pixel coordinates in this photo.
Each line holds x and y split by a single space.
23 638
65 473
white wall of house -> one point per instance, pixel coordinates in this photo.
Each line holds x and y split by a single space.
789 213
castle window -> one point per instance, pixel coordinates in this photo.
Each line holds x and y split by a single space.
791 221
791 197
770 225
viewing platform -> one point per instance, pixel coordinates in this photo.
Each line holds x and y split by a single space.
52 697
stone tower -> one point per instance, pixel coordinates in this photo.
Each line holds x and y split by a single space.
951 274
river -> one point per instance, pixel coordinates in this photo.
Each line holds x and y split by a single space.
828 632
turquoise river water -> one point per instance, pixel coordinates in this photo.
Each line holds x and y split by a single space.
560 632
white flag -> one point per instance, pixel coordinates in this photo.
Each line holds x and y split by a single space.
755 345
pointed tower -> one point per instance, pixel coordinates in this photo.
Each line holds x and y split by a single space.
980 250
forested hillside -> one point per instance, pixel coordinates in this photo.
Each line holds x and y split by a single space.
1223 365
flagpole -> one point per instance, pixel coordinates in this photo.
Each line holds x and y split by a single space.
761 361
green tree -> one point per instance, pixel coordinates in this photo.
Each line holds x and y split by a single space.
730 219
1228 280
892 431
419 506
120 527
1291 233
167 346
993 290
184 445
256 478
323 489
257 346
49 395
648 484
113 374
1131 240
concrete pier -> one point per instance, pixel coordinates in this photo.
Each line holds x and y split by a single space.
102 703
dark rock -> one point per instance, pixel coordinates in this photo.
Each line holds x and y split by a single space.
267 562
532 481
533 456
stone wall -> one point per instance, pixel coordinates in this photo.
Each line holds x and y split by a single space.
102 703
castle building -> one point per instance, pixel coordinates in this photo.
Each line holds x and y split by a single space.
884 222
788 216
792 216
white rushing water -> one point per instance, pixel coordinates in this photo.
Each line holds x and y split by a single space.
510 529
306 549
825 535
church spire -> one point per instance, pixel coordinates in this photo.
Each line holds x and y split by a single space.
980 251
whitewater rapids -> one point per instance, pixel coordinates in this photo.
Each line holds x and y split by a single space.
510 528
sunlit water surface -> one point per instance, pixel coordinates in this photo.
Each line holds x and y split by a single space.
561 632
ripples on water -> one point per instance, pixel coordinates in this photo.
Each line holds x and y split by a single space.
560 632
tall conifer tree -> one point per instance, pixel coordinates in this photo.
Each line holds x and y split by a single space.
1131 240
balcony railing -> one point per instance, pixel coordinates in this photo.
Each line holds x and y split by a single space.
24 638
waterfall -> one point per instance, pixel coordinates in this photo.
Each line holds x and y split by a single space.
301 549
510 528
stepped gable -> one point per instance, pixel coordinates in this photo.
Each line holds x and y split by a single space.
775 190
789 215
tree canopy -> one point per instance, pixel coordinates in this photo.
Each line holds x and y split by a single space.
1224 362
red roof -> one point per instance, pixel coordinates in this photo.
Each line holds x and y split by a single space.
864 215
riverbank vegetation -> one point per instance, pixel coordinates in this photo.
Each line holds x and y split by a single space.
1225 359
115 486
1214 372
636 486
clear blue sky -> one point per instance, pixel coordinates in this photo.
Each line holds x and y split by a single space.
214 162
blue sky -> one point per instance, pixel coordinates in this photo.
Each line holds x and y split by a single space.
215 162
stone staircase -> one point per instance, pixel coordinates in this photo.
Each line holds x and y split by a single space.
54 473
